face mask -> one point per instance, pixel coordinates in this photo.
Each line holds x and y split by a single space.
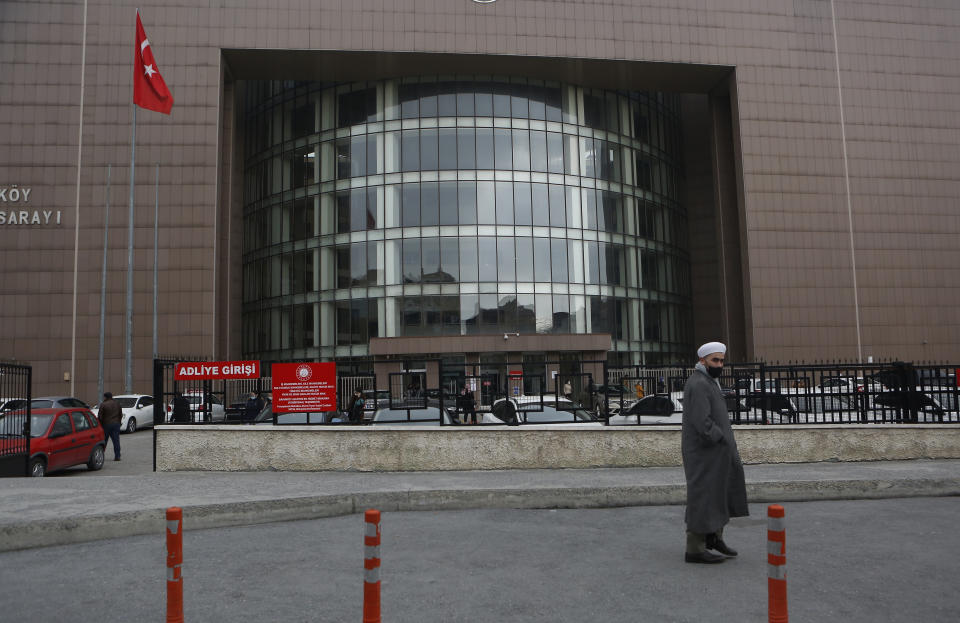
715 372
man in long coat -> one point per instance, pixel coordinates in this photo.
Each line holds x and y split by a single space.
711 462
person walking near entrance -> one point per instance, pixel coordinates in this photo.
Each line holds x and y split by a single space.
355 415
181 409
111 415
468 406
716 490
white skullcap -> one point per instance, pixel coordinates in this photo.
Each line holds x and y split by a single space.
711 347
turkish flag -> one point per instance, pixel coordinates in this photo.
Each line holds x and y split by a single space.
149 89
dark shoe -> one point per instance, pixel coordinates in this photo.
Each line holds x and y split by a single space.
717 544
116 458
704 557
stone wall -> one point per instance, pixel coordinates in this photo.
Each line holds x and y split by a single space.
420 448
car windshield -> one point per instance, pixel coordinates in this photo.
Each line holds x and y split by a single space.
126 403
41 404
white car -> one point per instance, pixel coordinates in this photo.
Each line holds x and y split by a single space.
137 411
10 404
545 409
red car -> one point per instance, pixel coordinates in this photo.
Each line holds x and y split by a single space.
62 438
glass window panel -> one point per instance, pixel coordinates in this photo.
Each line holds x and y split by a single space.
558 211
643 177
503 149
410 150
374 266
343 266
448 148
466 149
540 203
591 262
450 314
538 151
599 317
501 99
430 252
538 108
447 100
412 272
588 199
304 118
519 106
448 203
544 310
487 253
526 315
371 215
358 156
521 150
429 204
428 99
506 260
571 155
358 209
558 257
410 205
343 211
465 106
469 313
412 315
342 150
614 264
507 312
486 204
587 146
469 265
561 313
409 101
555 152
467 202
553 98
524 261
343 323
484 99
485 159
541 259
373 324
356 107
488 312
358 264
428 150
593 111
504 203
372 168
450 260
521 203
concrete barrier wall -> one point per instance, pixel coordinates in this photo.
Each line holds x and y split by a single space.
419 448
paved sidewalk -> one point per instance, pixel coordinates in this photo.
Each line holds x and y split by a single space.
53 511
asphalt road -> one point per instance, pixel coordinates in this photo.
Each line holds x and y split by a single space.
860 561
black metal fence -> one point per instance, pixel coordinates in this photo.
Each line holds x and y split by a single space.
497 391
758 393
15 396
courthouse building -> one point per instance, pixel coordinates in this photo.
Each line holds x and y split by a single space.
508 180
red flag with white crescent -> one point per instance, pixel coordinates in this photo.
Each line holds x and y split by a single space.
149 89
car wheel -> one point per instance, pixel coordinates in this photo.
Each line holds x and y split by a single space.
38 467
96 459
132 425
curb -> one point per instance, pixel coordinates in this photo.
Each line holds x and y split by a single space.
46 533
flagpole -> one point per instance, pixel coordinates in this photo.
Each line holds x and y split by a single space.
156 220
103 290
128 377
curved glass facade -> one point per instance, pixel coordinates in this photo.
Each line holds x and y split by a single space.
461 206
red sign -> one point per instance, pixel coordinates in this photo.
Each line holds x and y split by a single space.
199 370
299 387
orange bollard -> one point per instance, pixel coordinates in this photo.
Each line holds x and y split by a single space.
371 567
174 560
776 565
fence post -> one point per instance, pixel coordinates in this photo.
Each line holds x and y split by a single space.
174 560
371 567
776 565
